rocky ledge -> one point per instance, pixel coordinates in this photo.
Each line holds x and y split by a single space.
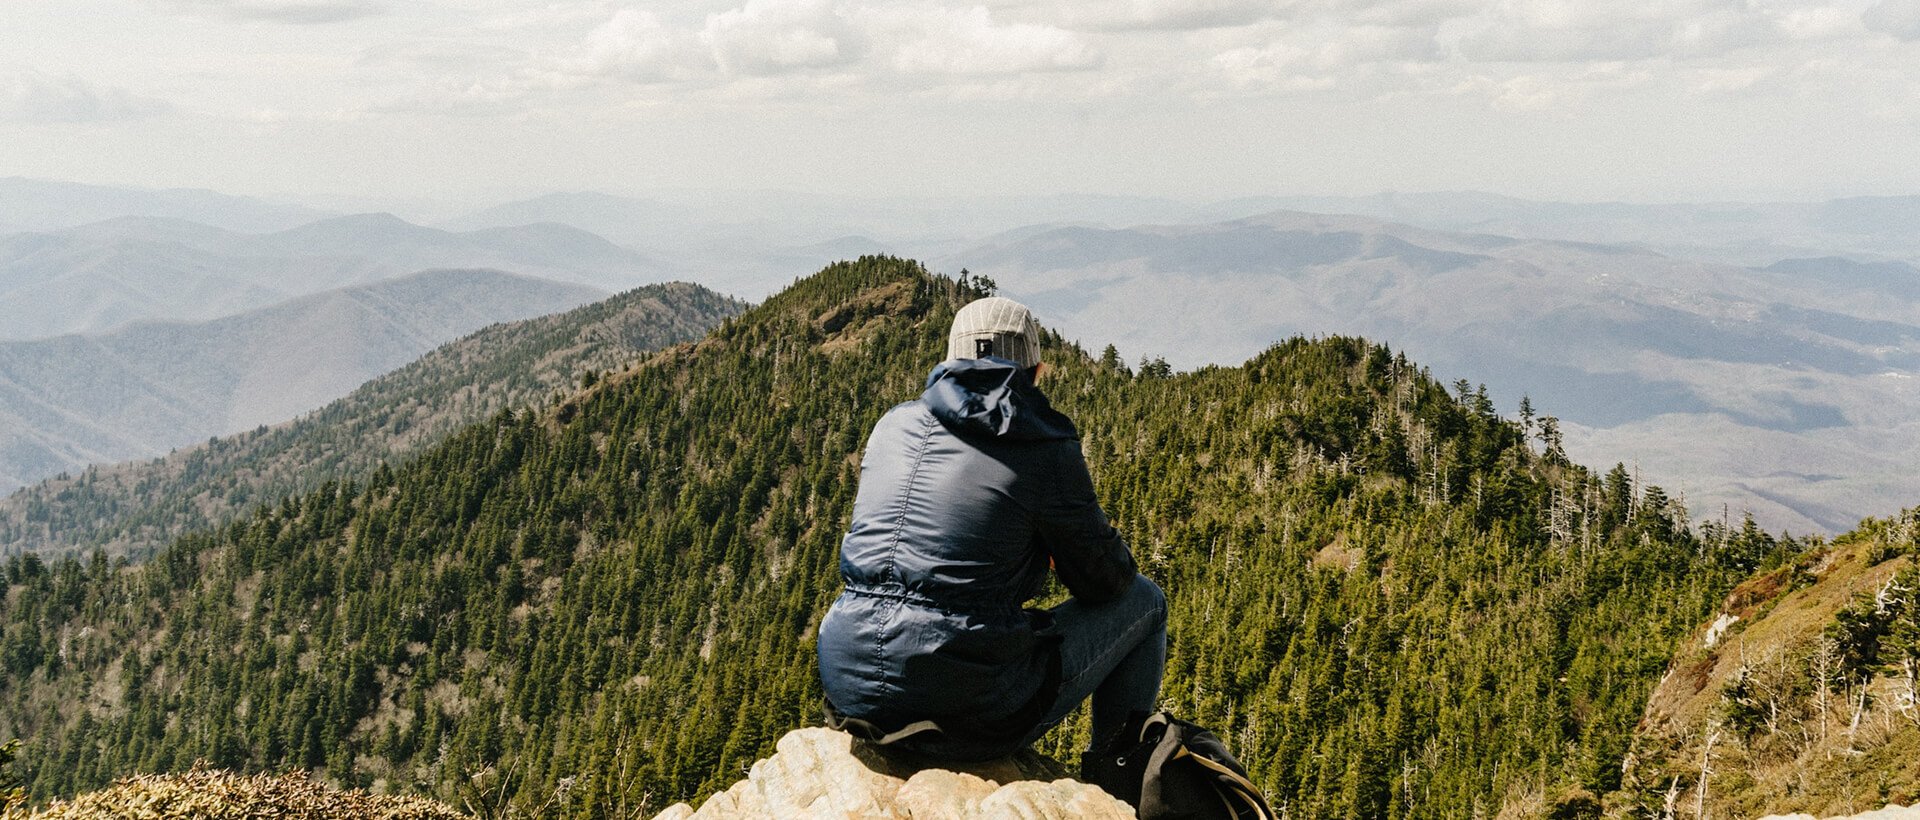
821 773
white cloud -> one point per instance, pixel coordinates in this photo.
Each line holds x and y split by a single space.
635 45
441 55
1276 67
968 41
36 97
1720 80
287 11
1525 92
1820 23
1900 18
1312 60
1174 15
1562 90
1574 30
552 15
1411 12
772 37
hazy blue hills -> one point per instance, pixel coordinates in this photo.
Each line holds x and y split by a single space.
1787 390
1899 280
629 220
38 205
1760 354
1755 233
754 242
103 275
138 506
138 392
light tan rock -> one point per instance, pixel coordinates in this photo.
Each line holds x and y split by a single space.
821 773
1059 800
943 794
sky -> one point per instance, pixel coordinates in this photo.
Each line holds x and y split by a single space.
1687 100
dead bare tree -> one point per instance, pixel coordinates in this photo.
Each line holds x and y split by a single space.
1706 770
1825 658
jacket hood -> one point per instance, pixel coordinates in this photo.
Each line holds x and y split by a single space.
993 397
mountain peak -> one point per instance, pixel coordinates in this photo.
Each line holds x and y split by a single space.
381 220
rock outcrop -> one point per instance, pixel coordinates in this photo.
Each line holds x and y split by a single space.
821 773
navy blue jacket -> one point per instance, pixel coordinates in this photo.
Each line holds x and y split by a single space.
964 496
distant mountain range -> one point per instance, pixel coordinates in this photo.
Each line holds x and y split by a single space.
74 400
103 275
1755 355
41 205
1748 233
755 242
139 506
1787 390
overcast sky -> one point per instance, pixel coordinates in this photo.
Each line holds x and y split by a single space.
1194 99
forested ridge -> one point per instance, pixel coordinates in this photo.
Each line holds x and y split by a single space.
1390 601
137 507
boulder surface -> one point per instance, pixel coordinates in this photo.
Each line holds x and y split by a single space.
822 773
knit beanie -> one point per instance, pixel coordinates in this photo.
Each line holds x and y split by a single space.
995 327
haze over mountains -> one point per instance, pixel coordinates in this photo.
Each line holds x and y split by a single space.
103 275
1748 233
41 205
140 506
1756 356
74 400
1787 390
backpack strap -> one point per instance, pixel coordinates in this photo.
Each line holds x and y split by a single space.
1232 782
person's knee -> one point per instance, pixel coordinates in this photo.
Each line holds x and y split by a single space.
1150 596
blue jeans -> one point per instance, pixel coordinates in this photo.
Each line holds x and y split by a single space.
1115 652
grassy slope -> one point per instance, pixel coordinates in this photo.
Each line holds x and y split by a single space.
1792 755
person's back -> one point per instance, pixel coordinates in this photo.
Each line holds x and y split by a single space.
966 497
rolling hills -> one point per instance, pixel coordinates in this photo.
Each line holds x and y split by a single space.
1786 391
137 507
46 205
104 275
139 392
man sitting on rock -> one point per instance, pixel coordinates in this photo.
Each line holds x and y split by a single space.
968 496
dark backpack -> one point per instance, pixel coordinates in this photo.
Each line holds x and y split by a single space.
1169 769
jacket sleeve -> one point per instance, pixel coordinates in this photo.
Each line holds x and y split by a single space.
1090 557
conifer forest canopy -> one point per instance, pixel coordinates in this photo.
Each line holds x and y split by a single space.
1390 601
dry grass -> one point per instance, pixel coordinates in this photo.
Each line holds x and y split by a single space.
1863 753
1338 554
206 794
1767 623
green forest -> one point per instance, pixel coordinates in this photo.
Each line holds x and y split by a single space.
1390 600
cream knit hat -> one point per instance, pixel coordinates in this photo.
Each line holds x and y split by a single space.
995 327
